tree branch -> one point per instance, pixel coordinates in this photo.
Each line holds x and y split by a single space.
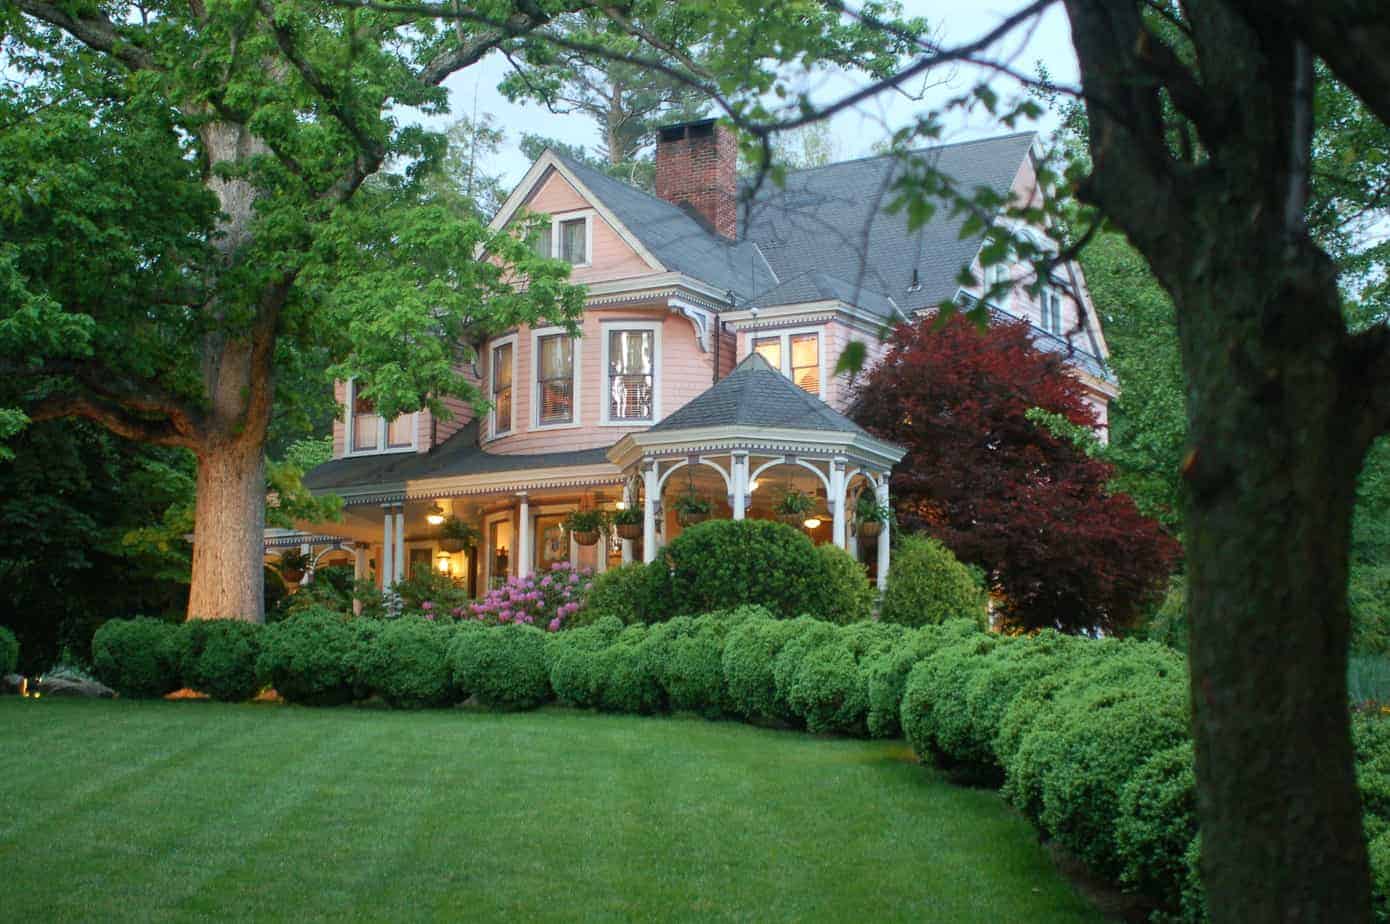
111 416
92 29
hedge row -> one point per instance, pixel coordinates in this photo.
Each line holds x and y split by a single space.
9 652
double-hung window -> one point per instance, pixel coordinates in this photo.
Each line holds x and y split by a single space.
631 375
1051 310
370 433
795 355
502 388
554 379
998 279
567 237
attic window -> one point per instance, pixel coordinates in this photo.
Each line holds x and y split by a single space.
569 238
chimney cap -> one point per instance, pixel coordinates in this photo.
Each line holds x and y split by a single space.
676 131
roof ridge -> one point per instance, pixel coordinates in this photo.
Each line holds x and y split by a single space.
921 150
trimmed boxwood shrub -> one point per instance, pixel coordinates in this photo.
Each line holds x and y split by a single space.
308 658
807 635
405 661
887 674
928 586
626 675
1157 821
630 592
503 666
1006 670
9 651
850 597
932 690
137 657
574 671
826 691
721 564
218 657
750 656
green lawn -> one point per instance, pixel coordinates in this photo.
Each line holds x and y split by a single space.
186 811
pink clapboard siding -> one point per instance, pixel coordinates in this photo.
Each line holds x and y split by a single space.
612 258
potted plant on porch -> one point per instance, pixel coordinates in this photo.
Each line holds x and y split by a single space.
691 508
456 535
628 523
292 564
586 526
794 507
869 516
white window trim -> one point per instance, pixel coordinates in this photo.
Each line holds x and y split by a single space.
534 377
492 345
608 327
558 217
489 554
350 424
1050 292
785 336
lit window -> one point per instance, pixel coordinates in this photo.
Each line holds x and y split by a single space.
365 424
555 379
574 240
770 349
631 364
805 356
501 388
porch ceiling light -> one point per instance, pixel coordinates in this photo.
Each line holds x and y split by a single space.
443 561
811 522
435 515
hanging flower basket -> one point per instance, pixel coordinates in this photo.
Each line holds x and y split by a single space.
452 545
792 519
870 529
292 575
691 517
586 526
629 530
586 537
456 535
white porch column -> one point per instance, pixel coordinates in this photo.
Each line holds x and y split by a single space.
388 549
883 537
523 536
400 543
839 514
739 474
649 501
359 572
307 551
574 551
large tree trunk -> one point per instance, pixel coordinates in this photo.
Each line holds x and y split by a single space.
228 533
1275 450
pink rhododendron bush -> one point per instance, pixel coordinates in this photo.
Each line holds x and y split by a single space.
549 599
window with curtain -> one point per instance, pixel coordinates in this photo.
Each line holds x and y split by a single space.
502 388
574 240
365 423
398 435
770 349
805 362
631 366
541 242
555 379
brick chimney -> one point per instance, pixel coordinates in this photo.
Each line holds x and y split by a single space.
696 168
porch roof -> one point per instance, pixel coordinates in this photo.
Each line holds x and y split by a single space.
459 455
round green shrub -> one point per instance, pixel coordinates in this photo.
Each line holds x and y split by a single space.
218 657
630 592
1157 820
750 655
503 666
827 692
928 586
572 663
810 634
932 692
137 657
1076 759
886 674
308 658
406 661
1379 849
850 597
720 564
9 652
1004 672
627 680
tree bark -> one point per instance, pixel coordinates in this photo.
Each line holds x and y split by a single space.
228 532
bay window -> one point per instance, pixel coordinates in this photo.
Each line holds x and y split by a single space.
502 388
554 379
631 375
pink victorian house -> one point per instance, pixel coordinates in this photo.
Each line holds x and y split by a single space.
706 362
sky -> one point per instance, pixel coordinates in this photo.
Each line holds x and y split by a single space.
854 131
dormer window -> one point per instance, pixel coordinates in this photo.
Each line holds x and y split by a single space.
796 355
570 238
368 432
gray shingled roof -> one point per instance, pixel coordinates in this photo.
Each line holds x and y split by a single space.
458 455
832 220
678 239
815 287
757 395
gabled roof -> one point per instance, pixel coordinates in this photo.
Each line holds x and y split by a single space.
757 395
833 220
458 455
819 287
676 238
